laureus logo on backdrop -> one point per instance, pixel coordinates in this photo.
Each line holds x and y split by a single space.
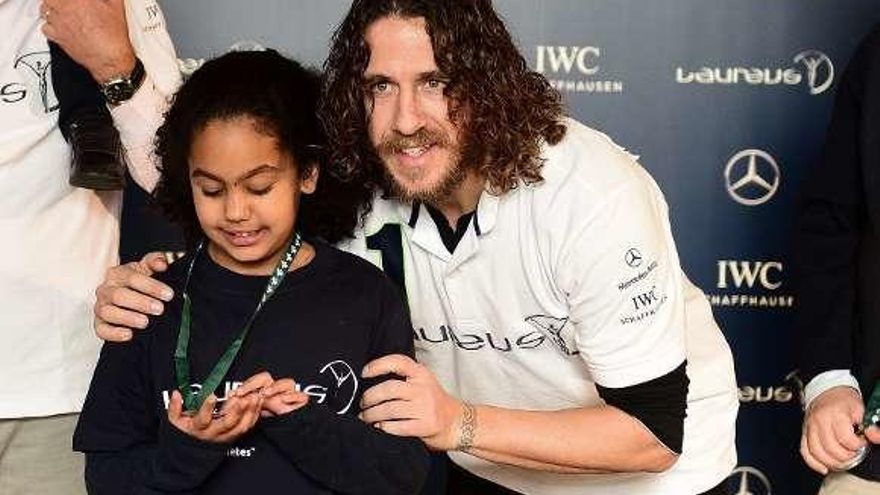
575 69
750 284
810 68
746 480
189 65
790 390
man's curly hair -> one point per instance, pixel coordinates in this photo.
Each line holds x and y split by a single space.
281 97
505 109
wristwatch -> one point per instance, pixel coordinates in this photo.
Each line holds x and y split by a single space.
121 88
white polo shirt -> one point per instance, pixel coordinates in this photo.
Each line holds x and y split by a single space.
58 240
556 287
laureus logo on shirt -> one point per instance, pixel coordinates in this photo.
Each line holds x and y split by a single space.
337 387
545 328
34 67
553 329
478 341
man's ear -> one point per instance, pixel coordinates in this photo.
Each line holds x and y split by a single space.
309 182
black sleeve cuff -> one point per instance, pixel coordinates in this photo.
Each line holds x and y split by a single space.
660 404
184 462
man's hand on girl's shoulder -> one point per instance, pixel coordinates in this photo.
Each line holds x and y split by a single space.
128 295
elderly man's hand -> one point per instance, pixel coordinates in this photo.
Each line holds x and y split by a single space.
127 295
94 33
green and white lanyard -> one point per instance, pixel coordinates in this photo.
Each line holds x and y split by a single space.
193 399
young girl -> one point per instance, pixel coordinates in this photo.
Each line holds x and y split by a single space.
259 302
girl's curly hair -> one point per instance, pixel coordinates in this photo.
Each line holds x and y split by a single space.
281 96
506 109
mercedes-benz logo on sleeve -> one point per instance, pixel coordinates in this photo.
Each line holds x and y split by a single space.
633 257
746 480
751 177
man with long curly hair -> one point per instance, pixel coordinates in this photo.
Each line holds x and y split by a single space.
561 349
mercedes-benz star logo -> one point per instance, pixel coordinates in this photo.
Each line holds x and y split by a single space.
752 177
747 480
633 257
820 70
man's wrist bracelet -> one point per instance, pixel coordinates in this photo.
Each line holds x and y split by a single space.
468 428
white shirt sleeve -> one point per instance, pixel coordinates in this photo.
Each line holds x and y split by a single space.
621 275
137 121
826 381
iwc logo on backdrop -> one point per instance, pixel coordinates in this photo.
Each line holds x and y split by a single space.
746 480
811 69
751 177
575 69
750 284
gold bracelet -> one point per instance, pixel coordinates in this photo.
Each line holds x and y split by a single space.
468 428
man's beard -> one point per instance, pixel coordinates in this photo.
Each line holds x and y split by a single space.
452 177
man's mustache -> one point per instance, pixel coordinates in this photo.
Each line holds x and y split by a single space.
398 142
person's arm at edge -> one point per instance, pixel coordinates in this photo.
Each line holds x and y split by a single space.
830 216
826 234
578 440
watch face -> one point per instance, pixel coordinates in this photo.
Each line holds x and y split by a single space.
117 92
121 89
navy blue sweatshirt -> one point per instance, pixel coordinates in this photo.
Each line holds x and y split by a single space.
324 323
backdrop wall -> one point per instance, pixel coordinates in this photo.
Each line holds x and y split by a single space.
726 102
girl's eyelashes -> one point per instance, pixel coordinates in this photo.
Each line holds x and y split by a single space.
256 191
260 191
211 193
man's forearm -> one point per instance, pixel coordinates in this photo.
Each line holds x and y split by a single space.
592 439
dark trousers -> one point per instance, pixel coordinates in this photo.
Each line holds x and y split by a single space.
75 88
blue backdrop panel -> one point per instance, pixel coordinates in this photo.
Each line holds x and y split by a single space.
726 102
